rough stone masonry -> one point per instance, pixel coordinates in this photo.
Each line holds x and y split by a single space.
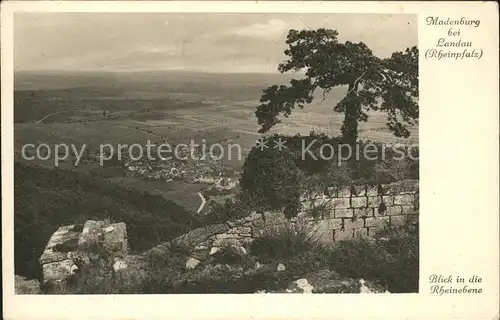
342 213
67 251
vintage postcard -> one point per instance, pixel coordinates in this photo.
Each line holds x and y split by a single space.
237 160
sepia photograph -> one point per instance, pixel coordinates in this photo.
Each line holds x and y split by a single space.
250 160
168 153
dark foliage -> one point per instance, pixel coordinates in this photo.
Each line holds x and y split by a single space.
271 179
392 258
274 179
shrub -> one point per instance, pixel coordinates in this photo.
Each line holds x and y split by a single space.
231 209
402 243
392 258
271 180
384 166
299 251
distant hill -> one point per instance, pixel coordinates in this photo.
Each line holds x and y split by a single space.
46 199
38 80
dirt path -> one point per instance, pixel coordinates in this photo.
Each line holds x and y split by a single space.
51 114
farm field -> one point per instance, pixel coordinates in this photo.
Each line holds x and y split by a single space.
179 107
157 107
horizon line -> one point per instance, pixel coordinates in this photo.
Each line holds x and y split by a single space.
147 70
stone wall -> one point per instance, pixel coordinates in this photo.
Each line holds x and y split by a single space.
342 213
335 214
339 213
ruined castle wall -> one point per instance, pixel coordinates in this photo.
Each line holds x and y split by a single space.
340 213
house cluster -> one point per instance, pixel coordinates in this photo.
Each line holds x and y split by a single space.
208 171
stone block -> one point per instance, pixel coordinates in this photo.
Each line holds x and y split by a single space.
344 213
376 222
360 232
340 203
49 255
358 190
373 202
115 239
393 211
388 200
88 239
192 263
91 233
363 212
344 191
398 220
353 224
408 210
404 199
359 202
339 235
372 190
92 225
57 271
63 235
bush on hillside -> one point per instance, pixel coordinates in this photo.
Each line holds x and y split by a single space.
272 180
231 209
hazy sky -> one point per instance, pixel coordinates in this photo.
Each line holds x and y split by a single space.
198 42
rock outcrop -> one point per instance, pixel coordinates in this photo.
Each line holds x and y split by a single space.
71 249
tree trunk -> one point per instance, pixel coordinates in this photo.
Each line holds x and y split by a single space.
352 109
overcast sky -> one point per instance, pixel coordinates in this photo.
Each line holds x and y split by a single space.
197 42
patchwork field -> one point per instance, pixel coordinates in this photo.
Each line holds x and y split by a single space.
96 109
177 107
